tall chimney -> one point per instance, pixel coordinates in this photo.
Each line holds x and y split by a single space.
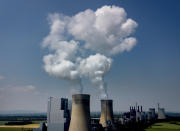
106 112
80 116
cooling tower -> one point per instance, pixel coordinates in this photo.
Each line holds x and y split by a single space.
80 116
106 112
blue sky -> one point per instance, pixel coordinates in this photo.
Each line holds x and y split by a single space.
148 74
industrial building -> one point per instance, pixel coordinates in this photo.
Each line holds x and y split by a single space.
74 115
58 114
151 115
161 113
135 114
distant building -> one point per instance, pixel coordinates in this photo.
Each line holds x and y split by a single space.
151 115
161 113
136 114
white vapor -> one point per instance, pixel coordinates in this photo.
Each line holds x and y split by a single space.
95 67
81 45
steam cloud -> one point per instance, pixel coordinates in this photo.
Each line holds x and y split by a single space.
83 45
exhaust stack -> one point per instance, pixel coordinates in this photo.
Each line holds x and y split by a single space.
80 116
106 112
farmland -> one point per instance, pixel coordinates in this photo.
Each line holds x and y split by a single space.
14 129
165 126
27 127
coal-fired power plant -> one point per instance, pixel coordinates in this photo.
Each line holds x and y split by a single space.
74 115
80 116
106 112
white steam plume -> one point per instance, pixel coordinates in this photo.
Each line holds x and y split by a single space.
81 45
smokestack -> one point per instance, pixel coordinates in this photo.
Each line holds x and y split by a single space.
80 116
106 112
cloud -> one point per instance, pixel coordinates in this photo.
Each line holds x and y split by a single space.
103 30
22 97
2 77
59 63
95 65
83 45
20 89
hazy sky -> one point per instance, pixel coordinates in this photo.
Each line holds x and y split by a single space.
148 74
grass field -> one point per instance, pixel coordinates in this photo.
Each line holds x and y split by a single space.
165 126
14 129
3 122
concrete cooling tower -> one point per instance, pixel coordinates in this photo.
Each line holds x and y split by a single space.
80 116
106 112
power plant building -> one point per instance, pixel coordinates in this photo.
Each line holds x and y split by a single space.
161 113
74 115
151 115
58 114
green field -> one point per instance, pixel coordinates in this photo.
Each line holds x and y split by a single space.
14 129
3 122
165 126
